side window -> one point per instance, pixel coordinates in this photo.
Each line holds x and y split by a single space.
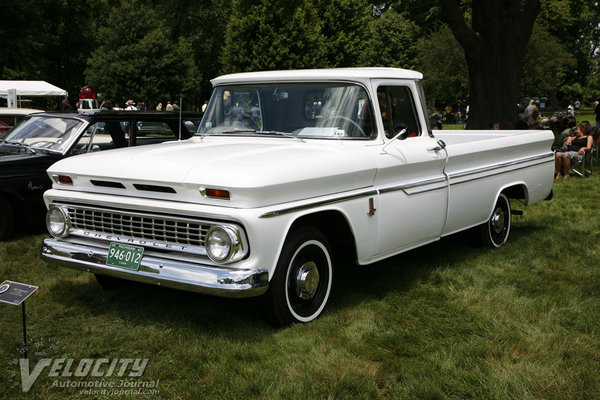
150 132
398 111
95 138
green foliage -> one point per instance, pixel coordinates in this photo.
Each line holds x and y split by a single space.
203 23
391 41
267 35
63 42
137 59
543 75
49 40
575 24
441 60
344 27
18 44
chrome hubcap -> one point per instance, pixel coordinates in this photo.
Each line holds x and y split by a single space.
498 220
307 280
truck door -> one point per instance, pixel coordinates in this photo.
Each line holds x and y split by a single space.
410 178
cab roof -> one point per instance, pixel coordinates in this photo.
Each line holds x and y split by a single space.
351 74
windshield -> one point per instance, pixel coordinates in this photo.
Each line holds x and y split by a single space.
305 110
43 132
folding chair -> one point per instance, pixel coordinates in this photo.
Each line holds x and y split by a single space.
584 167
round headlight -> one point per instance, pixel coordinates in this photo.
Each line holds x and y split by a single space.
220 243
56 221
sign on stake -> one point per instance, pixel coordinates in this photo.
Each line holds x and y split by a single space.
16 293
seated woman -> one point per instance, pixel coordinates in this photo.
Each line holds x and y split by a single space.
573 148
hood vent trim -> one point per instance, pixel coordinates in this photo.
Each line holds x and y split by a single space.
117 185
154 188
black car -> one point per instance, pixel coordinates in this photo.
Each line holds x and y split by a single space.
44 138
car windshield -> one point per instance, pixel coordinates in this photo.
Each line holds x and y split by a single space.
44 132
304 110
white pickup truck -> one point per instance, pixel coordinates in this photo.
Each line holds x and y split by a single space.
288 171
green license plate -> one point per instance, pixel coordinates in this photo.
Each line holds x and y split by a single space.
124 256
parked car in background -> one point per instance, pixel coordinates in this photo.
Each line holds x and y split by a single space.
44 138
10 117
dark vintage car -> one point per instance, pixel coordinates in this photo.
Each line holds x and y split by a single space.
10 117
44 138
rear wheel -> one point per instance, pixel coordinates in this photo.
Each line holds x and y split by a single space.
6 218
494 233
301 285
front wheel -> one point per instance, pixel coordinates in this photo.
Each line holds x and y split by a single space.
302 281
494 233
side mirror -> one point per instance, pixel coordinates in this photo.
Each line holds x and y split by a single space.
401 131
399 134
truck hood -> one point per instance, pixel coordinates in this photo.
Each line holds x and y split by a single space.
256 171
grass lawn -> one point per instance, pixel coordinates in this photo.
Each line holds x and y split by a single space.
446 321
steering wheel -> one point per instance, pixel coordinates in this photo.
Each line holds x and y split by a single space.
44 144
330 121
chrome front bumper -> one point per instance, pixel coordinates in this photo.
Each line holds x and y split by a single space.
158 271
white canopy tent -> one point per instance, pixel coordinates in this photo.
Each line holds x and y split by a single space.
11 90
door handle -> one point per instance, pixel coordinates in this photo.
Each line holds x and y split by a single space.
441 146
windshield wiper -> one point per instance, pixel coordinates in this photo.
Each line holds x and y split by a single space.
284 134
18 144
250 130
242 130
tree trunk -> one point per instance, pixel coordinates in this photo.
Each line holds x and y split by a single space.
494 44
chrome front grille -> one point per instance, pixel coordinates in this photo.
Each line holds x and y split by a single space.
143 227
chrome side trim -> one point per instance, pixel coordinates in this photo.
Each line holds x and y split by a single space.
413 185
160 271
277 213
504 165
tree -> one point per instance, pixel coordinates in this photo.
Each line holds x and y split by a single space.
575 22
203 23
21 35
495 42
441 59
137 58
392 39
544 75
49 40
283 34
344 29
267 35
70 34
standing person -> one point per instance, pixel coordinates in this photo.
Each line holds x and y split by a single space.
531 114
204 105
159 107
130 105
571 110
66 106
597 111
176 106
577 106
169 106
